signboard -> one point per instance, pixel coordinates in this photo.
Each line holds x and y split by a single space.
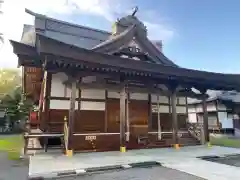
90 138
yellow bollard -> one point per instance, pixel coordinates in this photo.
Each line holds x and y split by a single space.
123 149
176 146
209 144
69 153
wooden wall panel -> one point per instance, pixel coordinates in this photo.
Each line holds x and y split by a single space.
89 121
182 121
138 112
102 143
113 115
56 119
32 82
165 121
138 122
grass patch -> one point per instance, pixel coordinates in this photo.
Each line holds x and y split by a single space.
12 144
225 141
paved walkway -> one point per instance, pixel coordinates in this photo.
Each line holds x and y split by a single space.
184 160
12 169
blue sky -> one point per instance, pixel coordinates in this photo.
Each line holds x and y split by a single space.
196 34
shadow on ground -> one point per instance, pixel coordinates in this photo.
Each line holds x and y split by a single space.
232 160
153 173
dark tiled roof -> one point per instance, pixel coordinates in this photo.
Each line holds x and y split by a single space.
232 96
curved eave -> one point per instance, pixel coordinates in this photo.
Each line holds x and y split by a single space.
149 47
116 42
27 55
73 56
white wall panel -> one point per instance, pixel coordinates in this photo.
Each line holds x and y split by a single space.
139 96
87 105
181 100
162 109
212 120
112 94
181 109
61 104
162 99
192 117
222 107
211 107
57 87
93 93
199 108
191 109
226 120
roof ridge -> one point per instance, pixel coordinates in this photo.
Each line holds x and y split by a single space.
65 22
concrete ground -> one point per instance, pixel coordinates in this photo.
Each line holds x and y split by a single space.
12 169
155 173
184 160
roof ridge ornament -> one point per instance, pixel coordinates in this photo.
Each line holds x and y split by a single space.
135 10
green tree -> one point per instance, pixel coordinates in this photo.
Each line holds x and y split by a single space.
9 80
16 106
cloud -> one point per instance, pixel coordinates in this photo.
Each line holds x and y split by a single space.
14 17
157 31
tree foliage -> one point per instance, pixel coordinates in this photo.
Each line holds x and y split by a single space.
16 106
9 80
13 101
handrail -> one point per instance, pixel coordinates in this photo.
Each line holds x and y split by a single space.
194 130
100 134
66 133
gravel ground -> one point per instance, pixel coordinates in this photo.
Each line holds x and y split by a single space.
154 173
12 170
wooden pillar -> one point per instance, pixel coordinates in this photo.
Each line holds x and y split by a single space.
47 89
106 112
48 79
174 118
72 114
149 112
127 118
159 119
205 120
122 119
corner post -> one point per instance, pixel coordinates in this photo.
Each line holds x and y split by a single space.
173 90
205 138
72 114
149 112
122 117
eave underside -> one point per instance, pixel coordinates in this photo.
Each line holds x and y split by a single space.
58 56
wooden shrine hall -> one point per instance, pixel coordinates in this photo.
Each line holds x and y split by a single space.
122 93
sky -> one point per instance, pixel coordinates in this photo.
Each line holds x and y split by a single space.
201 35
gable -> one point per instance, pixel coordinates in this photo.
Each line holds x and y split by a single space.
131 33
